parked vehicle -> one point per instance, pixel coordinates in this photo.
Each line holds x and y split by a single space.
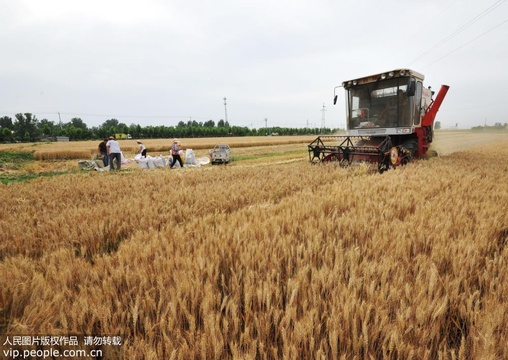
220 154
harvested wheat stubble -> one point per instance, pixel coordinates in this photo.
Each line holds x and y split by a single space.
279 261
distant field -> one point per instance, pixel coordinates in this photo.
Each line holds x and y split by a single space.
58 158
445 142
450 141
157 145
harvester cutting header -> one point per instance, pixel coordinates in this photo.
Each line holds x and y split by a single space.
389 118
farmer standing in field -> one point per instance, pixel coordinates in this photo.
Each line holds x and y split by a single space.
141 148
175 152
114 152
104 151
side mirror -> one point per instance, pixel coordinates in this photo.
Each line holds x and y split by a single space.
335 94
411 87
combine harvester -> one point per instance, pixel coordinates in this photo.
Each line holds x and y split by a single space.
390 118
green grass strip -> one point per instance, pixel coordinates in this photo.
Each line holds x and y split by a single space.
16 156
10 178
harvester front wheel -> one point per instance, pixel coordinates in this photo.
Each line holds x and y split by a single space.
394 156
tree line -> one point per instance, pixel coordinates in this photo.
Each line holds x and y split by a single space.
496 126
25 127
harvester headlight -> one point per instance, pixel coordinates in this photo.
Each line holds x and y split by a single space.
402 72
355 82
390 74
349 83
394 155
383 76
344 84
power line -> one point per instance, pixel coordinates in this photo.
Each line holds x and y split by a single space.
460 29
469 42
425 26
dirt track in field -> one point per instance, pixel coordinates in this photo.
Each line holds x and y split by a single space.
447 142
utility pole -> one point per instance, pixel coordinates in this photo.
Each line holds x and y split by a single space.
225 111
59 118
266 125
323 117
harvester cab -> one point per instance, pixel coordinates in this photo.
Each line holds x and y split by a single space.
389 120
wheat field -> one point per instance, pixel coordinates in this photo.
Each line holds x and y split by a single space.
285 260
84 149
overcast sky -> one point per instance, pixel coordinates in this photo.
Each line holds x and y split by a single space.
156 62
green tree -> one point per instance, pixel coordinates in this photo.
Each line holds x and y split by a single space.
98 132
123 128
133 130
25 126
46 130
46 127
78 123
6 122
72 132
110 127
61 131
112 130
5 134
109 123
